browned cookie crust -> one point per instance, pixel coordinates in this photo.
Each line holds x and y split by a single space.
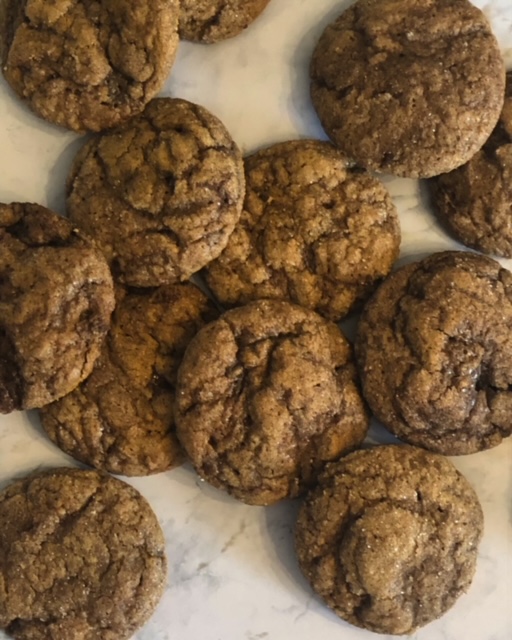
313 230
406 87
161 194
265 396
389 538
81 557
121 419
56 297
210 21
84 64
434 349
475 200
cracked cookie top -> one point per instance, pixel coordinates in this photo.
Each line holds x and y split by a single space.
266 395
413 89
87 64
389 537
81 556
313 230
121 418
434 350
475 200
56 297
211 21
161 194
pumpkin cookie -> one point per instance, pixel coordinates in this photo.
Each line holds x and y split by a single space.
266 395
389 537
87 65
56 297
121 419
161 194
475 200
81 556
313 230
434 349
212 21
413 89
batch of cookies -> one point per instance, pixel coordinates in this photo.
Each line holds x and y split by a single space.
134 369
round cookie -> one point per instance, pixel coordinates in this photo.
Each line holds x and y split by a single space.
88 65
210 21
413 89
475 200
434 350
81 556
389 537
266 395
313 230
56 297
161 194
121 418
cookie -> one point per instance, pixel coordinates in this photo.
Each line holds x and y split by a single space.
88 65
389 537
475 200
81 556
56 297
208 22
313 230
413 89
266 395
434 350
160 195
121 418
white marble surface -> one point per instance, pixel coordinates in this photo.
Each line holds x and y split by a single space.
232 573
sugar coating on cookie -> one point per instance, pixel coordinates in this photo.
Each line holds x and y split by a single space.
56 297
389 537
314 230
413 89
161 194
266 395
121 418
81 556
210 21
87 65
475 200
434 351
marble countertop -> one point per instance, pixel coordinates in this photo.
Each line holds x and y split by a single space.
232 572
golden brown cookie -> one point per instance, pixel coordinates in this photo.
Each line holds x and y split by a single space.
434 350
211 21
160 195
87 65
406 87
121 419
266 395
314 230
81 556
475 200
56 297
389 537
